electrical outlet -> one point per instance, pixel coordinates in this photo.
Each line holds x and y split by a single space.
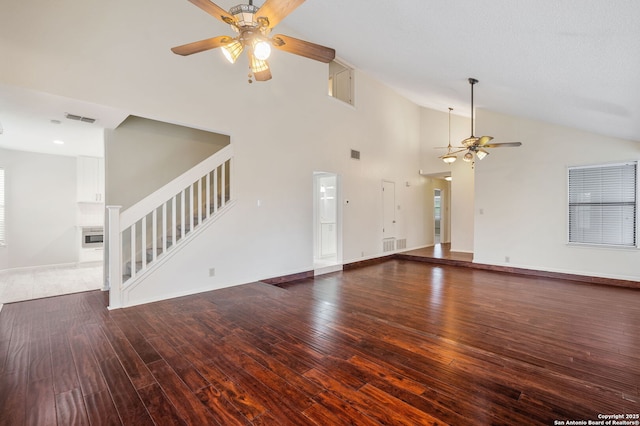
212 272
507 259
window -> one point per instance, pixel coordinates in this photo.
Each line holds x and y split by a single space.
341 82
603 204
2 237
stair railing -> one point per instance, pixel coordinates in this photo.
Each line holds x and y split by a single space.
156 225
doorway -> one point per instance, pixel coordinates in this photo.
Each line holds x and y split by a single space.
326 219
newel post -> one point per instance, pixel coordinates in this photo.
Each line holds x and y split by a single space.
114 257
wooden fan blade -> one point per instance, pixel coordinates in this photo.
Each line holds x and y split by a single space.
452 153
303 48
503 144
483 140
201 46
215 11
275 11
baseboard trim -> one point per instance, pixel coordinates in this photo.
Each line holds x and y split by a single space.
584 279
367 262
288 278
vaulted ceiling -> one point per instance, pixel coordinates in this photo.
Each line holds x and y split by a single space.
569 62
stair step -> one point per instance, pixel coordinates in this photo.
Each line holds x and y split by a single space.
127 267
159 251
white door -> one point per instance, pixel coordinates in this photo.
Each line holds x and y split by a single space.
327 214
388 209
326 218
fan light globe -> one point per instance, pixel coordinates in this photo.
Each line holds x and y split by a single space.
262 50
481 153
232 50
449 158
258 65
468 157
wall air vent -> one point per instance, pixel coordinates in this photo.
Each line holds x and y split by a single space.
388 244
79 118
355 154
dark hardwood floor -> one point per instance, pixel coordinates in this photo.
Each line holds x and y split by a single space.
439 253
397 343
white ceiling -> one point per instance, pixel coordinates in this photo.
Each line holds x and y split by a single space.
570 62
32 121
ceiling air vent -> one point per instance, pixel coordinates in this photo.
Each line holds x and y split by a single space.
355 154
79 118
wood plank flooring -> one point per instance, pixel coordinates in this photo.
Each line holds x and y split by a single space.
397 343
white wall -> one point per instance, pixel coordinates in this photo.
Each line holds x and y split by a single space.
523 195
41 209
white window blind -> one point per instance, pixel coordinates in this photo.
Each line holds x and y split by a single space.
2 233
603 204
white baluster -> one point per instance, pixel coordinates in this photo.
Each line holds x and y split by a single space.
215 190
154 234
164 227
231 179
199 202
207 181
174 225
133 250
223 177
191 200
143 243
114 257
182 211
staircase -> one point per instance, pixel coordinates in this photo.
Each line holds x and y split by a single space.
147 234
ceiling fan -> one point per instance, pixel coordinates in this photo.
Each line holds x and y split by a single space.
253 25
473 144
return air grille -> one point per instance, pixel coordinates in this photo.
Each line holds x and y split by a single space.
80 118
388 244
355 154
